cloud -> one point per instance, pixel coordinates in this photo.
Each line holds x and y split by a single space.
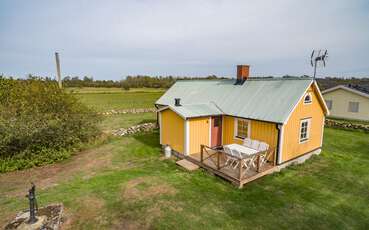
111 39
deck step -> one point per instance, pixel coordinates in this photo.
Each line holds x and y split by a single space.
187 165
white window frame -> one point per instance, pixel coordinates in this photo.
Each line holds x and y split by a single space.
358 107
308 120
236 128
331 103
311 98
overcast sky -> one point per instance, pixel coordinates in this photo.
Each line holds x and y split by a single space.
113 39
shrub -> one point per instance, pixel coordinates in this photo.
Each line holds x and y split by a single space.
40 122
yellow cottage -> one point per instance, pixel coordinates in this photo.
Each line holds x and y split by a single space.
286 114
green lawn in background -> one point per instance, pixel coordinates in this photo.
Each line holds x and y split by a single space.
106 102
126 120
111 90
105 99
141 190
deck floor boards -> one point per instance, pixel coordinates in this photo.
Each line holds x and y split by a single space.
229 173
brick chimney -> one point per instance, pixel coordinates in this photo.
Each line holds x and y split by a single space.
243 72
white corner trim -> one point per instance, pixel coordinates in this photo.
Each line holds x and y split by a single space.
280 144
187 137
160 129
209 131
322 133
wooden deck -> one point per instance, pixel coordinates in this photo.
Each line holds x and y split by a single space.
214 162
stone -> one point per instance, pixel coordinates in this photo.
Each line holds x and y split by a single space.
49 217
41 220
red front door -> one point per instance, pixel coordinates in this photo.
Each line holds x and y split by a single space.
216 131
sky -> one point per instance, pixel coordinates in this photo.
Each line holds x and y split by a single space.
113 39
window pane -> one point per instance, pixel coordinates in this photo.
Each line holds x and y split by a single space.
353 107
304 130
242 128
307 98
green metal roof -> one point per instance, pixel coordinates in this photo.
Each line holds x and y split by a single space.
260 99
196 110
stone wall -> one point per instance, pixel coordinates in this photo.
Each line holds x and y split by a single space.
146 127
124 111
346 125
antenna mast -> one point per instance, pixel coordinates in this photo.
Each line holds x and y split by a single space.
316 57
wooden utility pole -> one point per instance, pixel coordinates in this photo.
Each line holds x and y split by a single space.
58 70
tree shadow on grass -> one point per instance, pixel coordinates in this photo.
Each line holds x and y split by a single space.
150 139
147 121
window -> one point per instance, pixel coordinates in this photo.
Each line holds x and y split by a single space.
308 98
329 104
304 130
242 128
353 107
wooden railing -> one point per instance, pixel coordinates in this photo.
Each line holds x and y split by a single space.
209 153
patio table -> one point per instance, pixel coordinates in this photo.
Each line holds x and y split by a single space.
246 151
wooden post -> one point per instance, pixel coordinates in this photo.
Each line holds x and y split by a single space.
218 158
202 153
58 70
258 164
241 168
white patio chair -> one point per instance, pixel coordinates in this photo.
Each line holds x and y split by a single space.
248 163
255 144
247 142
263 147
237 156
264 157
228 155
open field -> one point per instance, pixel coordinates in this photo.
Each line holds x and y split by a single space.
125 184
105 99
112 90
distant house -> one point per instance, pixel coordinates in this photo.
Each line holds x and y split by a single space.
348 101
287 114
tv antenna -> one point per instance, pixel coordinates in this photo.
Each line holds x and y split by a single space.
316 57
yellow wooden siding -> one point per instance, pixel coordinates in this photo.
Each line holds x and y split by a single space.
199 133
265 131
228 131
172 130
291 146
262 131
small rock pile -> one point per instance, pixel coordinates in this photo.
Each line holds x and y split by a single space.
49 217
145 127
346 125
124 111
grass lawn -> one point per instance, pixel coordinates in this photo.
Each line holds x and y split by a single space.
105 99
126 120
125 184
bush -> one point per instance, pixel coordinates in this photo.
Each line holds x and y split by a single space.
39 123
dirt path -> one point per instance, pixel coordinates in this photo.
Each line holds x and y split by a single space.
87 163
